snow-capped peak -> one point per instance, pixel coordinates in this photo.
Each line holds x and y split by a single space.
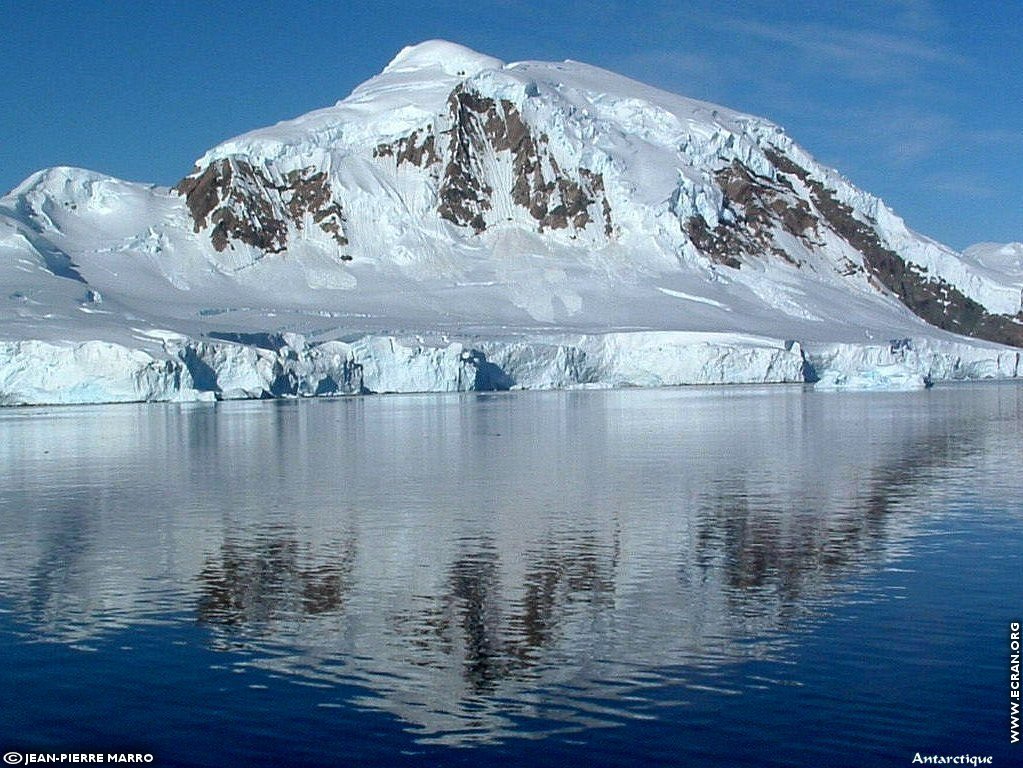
451 58
59 181
407 94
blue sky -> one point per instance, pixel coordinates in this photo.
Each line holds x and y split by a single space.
918 101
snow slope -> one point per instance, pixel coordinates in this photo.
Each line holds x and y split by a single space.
1003 262
460 223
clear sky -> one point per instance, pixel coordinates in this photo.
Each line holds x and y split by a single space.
918 101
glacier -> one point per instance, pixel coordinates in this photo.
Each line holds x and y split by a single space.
458 223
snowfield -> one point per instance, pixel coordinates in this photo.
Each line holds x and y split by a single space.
458 224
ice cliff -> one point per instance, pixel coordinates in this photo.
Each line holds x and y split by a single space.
36 373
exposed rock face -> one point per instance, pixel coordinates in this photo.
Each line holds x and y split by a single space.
482 128
557 198
934 300
753 207
416 149
311 193
239 201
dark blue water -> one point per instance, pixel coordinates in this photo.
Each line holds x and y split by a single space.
693 577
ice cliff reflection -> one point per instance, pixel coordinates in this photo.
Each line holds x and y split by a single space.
478 564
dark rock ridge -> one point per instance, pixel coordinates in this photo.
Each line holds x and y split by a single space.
416 149
933 299
756 207
239 201
482 127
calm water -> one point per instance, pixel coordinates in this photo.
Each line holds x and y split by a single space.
699 577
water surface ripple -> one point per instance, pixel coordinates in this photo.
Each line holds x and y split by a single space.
734 576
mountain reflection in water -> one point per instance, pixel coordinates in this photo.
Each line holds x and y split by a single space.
479 564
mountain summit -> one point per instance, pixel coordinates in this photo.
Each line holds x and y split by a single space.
507 205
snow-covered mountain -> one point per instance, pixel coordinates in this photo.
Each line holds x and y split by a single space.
1004 261
458 223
